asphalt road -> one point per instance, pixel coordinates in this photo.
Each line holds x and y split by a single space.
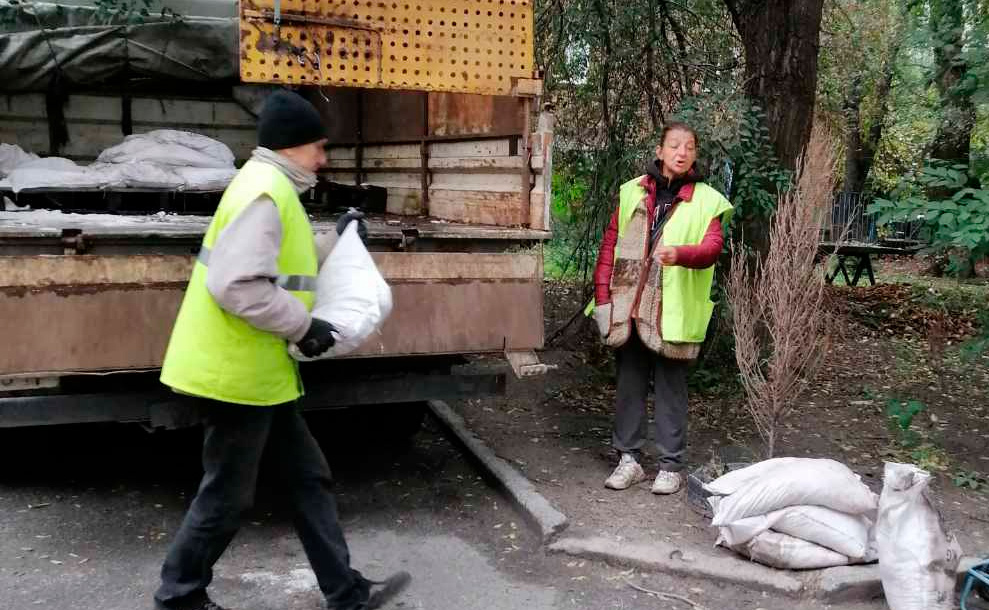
86 514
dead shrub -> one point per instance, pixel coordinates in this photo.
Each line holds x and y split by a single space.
778 301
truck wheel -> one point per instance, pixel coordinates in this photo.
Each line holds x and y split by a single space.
404 419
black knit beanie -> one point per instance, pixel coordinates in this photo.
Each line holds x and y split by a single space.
288 120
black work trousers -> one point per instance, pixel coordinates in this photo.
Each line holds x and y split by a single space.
235 437
637 366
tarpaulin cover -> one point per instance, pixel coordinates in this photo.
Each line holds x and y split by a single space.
91 48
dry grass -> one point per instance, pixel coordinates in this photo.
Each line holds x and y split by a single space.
778 301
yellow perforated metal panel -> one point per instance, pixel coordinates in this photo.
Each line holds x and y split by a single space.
470 46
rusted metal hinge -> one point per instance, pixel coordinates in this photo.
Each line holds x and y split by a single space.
525 363
73 242
409 237
527 87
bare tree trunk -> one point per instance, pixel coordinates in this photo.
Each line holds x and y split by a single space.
860 148
655 112
681 40
954 136
605 91
855 173
781 40
883 89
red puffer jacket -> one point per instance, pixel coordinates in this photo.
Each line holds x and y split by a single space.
700 256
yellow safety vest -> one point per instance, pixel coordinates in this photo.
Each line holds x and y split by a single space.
217 355
686 299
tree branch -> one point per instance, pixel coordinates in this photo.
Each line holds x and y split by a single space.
733 10
679 36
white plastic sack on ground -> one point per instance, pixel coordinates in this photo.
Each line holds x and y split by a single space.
781 482
786 552
917 558
170 147
12 156
350 294
842 533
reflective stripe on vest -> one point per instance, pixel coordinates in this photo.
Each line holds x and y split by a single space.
218 355
297 283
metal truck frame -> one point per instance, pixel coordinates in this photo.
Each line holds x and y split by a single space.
87 300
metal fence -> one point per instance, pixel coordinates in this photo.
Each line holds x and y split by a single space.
850 221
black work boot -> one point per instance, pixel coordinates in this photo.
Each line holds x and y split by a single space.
197 603
383 591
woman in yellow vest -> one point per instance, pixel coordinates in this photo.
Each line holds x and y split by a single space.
652 300
250 294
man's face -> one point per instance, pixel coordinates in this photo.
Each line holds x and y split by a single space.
310 156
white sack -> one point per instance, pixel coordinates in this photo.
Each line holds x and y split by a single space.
842 533
205 179
170 147
196 141
6 205
53 172
786 552
917 558
137 174
54 164
350 294
12 156
781 482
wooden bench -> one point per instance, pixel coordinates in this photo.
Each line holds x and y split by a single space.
862 255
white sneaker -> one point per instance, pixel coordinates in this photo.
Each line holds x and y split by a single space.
626 474
667 482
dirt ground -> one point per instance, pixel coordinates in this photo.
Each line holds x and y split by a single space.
888 342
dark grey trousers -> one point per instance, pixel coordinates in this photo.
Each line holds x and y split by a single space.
235 438
637 366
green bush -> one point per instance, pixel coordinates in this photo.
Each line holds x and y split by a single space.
956 221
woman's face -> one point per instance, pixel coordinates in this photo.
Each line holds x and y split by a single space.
677 152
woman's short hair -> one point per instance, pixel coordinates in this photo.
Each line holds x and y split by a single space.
678 126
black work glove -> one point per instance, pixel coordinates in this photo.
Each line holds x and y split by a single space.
357 215
317 339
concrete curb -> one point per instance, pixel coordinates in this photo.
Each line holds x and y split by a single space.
664 557
833 585
856 583
837 585
536 508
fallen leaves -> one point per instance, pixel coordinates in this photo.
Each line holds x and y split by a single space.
899 310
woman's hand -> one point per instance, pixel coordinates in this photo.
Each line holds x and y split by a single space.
602 316
667 255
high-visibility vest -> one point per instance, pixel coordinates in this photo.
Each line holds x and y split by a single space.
686 296
218 355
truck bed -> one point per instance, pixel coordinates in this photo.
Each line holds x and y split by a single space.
99 292
47 224
48 232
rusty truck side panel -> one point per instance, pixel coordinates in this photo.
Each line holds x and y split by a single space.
79 313
433 45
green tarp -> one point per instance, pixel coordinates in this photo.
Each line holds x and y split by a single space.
85 46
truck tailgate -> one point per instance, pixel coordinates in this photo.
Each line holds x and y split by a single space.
100 292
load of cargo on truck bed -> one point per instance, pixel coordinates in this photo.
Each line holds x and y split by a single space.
451 164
